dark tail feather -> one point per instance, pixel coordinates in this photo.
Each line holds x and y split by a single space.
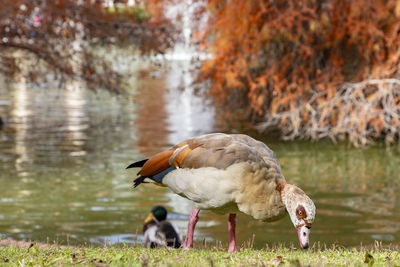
137 164
138 181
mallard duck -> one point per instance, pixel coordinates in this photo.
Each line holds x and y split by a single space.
229 173
159 232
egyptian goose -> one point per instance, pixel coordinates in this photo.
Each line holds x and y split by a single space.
159 232
226 174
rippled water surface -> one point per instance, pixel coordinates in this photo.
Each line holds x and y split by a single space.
63 154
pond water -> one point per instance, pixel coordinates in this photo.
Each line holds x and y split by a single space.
63 154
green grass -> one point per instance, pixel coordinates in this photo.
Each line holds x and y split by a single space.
137 256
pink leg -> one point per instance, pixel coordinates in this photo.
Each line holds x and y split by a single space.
232 236
192 224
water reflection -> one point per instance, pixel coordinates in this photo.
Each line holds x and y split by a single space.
55 194
188 114
21 114
152 115
76 119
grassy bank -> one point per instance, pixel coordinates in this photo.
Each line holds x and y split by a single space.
137 256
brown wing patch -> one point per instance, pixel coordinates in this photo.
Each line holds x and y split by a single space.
197 158
221 151
192 144
184 143
182 151
188 162
220 158
157 163
213 153
181 156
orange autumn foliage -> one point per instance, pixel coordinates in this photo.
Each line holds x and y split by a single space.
292 58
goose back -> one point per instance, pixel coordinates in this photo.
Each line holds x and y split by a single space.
223 173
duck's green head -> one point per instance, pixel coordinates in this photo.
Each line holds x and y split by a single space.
158 213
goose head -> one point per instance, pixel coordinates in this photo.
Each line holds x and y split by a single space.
301 210
157 214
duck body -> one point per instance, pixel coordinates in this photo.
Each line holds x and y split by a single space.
161 234
158 231
224 173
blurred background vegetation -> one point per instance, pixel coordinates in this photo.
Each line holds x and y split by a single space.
309 69
58 38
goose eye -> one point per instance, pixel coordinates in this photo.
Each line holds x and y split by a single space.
300 212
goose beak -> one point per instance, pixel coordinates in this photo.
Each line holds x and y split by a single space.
303 232
149 218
